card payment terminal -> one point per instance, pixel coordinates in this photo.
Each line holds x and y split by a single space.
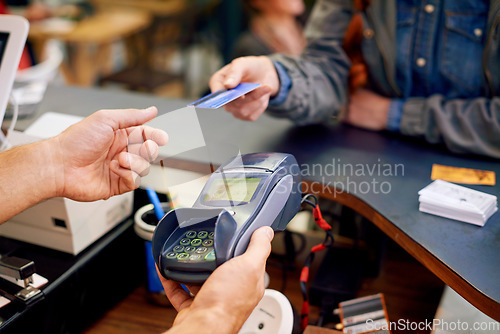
245 193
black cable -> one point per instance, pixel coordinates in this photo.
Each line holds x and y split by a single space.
305 199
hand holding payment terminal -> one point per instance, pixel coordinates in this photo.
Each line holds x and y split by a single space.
248 192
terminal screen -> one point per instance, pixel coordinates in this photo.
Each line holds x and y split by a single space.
239 189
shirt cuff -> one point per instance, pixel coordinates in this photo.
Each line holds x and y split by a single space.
285 85
395 114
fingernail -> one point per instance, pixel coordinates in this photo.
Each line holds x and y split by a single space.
150 109
229 81
270 233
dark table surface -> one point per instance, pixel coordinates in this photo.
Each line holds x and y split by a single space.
381 173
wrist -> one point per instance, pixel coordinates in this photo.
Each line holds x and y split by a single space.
207 320
51 150
284 86
273 76
394 114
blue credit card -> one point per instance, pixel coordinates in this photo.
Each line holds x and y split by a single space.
224 96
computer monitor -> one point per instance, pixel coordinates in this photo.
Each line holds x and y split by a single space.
13 34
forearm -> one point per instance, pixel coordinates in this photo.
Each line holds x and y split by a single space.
319 76
209 321
465 126
27 176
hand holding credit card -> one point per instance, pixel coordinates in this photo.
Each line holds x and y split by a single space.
248 69
224 96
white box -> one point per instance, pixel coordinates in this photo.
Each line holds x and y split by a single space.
67 225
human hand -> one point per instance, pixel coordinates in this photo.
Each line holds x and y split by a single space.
106 153
367 110
229 295
248 69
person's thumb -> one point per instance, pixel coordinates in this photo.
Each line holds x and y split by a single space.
124 118
259 247
234 73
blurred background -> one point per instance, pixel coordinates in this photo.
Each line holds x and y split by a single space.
168 48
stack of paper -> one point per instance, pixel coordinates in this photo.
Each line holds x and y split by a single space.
456 202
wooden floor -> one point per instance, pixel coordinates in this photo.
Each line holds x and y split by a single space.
411 292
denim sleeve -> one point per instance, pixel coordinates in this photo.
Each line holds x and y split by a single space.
285 85
395 114
464 125
318 77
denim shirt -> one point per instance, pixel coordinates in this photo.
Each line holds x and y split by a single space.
466 125
427 33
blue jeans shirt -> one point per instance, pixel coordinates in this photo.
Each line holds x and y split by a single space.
440 45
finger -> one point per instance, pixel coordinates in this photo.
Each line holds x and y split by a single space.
250 111
233 74
179 298
134 162
124 118
194 289
134 149
217 80
128 179
139 134
148 150
259 247
263 91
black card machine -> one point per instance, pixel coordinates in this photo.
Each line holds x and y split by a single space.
248 192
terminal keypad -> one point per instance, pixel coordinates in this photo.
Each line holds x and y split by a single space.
194 246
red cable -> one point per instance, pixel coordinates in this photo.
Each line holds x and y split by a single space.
304 275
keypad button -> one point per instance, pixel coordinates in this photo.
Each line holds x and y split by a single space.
171 255
201 250
178 249
195 257
210 256
190 249
211 235
208 243
202 234
196 242
185 242
191 234
182 256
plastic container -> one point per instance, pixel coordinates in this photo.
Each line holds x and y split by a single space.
273 315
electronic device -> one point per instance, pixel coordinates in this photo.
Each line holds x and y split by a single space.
365 315
273 315
245 193
13 34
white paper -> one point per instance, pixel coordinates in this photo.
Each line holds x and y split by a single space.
51 124
456 202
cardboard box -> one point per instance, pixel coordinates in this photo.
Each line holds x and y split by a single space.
67 225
